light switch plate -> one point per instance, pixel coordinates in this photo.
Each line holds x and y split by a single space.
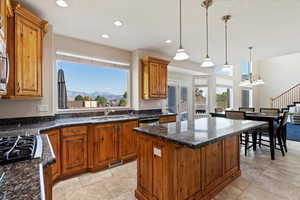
43 108
157 152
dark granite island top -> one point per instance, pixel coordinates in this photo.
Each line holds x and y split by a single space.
199 132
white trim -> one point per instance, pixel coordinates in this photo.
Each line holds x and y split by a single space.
60 53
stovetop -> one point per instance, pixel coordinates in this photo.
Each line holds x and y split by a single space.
18 148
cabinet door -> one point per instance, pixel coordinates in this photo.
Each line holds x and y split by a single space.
105 146
163 76
54 136
28 58
213 167
154 80
127 142
231 154
74 154
145 165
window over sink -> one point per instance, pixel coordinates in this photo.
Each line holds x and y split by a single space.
89 87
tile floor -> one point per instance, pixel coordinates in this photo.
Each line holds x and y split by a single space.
262 179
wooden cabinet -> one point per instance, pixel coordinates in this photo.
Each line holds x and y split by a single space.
231 155
127 140
167 119
25 48
154 78
105 144
74 150
48 183
54 136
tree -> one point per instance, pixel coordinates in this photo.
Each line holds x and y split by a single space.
125 95
101 100
79 98
87 98
122 102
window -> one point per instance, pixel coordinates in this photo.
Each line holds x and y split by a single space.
224 97
223 72
90 87
201 100
245 71
247 98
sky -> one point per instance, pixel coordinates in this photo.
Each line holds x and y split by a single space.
85 78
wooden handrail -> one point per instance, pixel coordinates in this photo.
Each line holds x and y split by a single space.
286 92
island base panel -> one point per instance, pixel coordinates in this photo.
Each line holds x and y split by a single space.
167 171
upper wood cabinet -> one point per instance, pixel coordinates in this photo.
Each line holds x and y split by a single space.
25 49
154 78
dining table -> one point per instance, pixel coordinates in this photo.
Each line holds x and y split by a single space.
257 116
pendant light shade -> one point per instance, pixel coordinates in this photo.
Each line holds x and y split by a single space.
207 62
181 53
226 66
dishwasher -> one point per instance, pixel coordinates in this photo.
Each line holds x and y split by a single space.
149 121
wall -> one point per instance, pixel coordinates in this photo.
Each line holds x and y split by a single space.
279 74
27 108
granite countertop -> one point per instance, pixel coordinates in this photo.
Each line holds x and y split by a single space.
199 132
23 180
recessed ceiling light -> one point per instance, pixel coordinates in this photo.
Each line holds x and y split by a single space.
105 36
168 41
118 23
61 3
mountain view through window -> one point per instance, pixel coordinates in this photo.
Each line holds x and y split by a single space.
91 86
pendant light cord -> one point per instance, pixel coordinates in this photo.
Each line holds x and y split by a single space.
180 26
207 31
226 43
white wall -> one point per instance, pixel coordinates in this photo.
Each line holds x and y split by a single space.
26 108
279 74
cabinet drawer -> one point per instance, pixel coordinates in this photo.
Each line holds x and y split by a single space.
167 119
74 130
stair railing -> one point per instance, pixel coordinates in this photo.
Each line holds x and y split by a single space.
287 98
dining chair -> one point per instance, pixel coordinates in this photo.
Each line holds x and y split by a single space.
244 138
246 109
270 111
218 110
280 138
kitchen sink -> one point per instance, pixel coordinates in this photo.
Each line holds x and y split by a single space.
116 117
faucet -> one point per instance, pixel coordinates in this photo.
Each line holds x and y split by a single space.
107 111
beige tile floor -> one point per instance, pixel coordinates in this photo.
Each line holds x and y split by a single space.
262 179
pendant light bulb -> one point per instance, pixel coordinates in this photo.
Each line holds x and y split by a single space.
181 54
207 61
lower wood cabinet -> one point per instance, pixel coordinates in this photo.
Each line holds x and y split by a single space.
74 150
48 182
167 119
54 136
105 144
127 140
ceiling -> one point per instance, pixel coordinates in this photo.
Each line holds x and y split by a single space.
271 26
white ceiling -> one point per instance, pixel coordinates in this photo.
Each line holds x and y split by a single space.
271 26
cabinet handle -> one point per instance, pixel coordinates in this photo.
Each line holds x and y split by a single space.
18 87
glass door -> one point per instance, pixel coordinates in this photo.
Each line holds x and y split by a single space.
178 100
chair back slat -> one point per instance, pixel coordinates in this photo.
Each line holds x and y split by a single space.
270 111
235 114
246 109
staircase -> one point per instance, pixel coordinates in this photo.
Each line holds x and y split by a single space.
288 99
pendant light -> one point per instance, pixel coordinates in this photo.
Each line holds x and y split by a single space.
227 66
252 78
207 62
180 54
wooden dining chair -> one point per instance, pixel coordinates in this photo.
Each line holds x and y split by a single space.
279 136
246 109
244 138
270 111
218 110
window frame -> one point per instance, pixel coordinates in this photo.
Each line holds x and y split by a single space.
231 103
100 64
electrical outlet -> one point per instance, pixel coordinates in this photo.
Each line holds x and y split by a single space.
43 108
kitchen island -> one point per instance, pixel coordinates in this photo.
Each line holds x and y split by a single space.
189 160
